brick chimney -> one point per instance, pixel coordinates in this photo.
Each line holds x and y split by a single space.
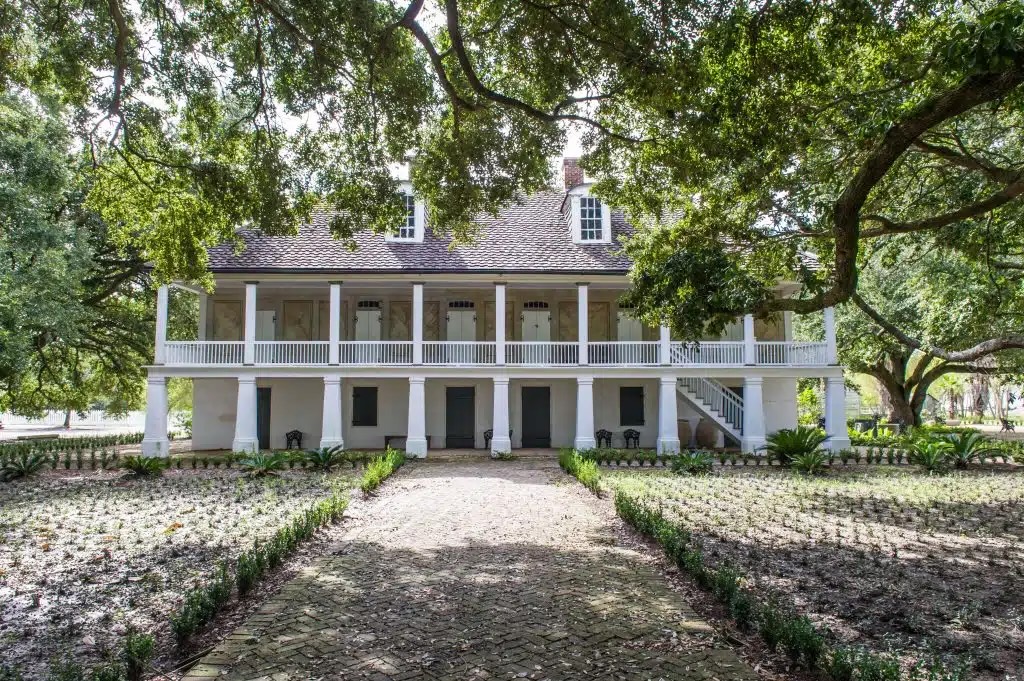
572 174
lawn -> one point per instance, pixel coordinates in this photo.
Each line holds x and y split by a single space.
886 558
85 555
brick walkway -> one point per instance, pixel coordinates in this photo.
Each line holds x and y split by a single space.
476 570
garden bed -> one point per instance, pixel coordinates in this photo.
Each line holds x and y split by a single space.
84 557
885 558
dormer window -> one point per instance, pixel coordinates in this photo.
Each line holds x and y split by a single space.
589 219
591 228
410 230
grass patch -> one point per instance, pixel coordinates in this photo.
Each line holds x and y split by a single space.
583 469
380 469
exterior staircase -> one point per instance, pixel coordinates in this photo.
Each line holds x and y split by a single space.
716 402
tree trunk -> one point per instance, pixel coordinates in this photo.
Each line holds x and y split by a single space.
67 420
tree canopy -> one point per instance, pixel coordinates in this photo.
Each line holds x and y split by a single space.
767 140
76 312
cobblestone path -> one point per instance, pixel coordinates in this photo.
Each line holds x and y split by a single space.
476 570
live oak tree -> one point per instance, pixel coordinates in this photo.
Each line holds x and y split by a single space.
760 140
76 311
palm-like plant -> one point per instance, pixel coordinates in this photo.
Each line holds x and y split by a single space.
786 444
144 466
259 464
968 447
931 455
325 458
23 465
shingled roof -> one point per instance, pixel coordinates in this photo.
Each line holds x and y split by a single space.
529 236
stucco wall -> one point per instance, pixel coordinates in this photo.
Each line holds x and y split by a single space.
779 404
606 410
213 412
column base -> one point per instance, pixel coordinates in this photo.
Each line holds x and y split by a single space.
584 443
416 447
246 445
501 445
668 445
330 442
157 446
750 444
836 444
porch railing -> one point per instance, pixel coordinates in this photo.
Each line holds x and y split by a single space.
708 352
635 353
205 352
473 353
291 352
458 352
537 353
789 353
375 352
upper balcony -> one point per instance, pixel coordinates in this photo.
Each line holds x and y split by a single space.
489 353
445 324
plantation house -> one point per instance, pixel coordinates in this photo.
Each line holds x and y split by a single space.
516 340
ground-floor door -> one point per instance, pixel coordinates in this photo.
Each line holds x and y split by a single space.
459 417
263 417
536 416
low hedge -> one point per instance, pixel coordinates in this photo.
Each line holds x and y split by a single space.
581 468
380 469
779 627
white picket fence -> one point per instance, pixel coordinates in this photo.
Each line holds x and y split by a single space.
93 418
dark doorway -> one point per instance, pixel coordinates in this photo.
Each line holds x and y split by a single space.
536 417
263 417
459 421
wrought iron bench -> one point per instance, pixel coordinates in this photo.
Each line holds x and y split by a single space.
605 436
489 434
631 435
293 436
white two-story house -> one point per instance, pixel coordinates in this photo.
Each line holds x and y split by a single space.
514 341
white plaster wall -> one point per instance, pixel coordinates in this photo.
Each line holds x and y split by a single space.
563 410
779 403
606 410
392 412
213 412
295 404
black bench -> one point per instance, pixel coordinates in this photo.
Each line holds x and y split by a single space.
489 435
631 436
603 436
293 436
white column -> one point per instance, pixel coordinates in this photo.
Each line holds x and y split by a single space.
204 307
835 414
753 413
246 438
160 349
416 433
155 442
584 329
584 413
249 356
499 336
501 443
749 342
831 356
668 427
417 331
334 331
330 432
665 346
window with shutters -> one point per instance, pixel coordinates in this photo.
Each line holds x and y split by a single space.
631 406
364 406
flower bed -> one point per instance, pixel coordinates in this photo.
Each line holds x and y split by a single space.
82 559
888 559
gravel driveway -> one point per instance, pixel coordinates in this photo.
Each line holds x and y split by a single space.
477 569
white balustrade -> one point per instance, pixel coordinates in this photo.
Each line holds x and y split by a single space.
204 352
458 352
537 353
790 353
375 352
716 397
635 353
707 352
291 352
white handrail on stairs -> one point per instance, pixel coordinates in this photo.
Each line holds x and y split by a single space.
717 398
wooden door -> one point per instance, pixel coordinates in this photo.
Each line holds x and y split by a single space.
536 411
460 423
263 417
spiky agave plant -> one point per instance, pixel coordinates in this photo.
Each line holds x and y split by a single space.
259 464
23 465
144 466
786 444
931 455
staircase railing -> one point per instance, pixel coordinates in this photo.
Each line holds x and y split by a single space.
717 398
